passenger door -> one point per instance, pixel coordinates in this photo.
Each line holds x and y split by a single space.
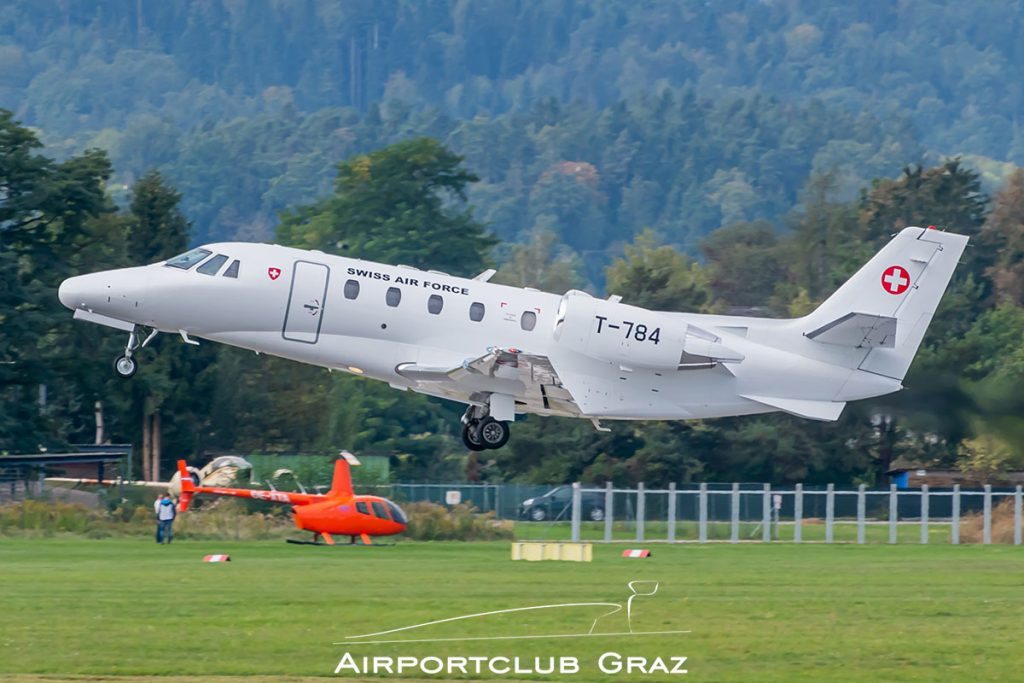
306 300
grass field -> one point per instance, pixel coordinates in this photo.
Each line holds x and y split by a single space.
127 609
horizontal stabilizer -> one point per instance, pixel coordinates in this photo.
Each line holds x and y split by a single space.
859 330
828 411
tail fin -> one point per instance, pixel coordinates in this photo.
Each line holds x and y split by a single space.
341 484
887 305
188 487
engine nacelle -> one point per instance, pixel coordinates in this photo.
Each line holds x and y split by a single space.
634 337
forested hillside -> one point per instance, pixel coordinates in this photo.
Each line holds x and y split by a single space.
685 155
681 116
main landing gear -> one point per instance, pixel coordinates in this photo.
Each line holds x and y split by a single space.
481 433
125 365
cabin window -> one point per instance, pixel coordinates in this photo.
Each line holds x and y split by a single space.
393 297
232 270
351 289
435 303
188 259
528 321
476 311
379 510
213 265
361 507
397 514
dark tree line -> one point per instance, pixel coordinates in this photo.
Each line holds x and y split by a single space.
397 203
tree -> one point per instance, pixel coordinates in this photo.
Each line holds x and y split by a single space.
45 213
157 229
658 277
543 264
744 263
398 204
1004 234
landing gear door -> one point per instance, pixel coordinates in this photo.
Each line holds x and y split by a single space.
306 301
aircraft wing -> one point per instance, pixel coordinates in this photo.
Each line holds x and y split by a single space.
527 376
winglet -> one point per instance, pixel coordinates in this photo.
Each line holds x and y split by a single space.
486 275
188 488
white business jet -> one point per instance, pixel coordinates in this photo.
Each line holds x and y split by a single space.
506 350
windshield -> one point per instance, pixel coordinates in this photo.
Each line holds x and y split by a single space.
397 513
188 259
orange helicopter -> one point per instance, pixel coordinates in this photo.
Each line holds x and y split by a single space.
339 511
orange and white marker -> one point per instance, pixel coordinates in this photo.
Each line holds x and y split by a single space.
636 553
217 558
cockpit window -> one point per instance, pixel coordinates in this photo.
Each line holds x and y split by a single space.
379 510
188 259
232 270
397 513
213 265
361 507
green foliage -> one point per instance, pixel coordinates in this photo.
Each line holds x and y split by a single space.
429 522
396 205
659 277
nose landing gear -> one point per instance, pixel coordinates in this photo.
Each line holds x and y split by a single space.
126 366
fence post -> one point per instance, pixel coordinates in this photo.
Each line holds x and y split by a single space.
497 500
1018 503
894 511
766 514
734 518
609 511
955 529
577 512
924 514
861 510
702 514
830 511
798 513
987 526
641 511
987 534
672 512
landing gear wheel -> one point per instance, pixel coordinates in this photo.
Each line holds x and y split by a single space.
470 438
492 433
125 366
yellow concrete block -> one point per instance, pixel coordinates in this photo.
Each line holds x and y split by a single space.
564 552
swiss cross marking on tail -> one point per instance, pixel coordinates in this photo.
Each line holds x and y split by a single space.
895 280
274 273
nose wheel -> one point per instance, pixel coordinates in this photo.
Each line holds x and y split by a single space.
126 365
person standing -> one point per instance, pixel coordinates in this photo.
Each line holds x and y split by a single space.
165 512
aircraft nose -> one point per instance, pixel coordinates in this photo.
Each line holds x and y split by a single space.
72 292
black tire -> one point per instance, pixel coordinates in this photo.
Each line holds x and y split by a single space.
125 367
492 433
537 514
469 437
596 514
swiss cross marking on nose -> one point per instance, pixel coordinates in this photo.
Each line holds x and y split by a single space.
895 280
274 273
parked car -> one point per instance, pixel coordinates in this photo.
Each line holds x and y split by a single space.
557 504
